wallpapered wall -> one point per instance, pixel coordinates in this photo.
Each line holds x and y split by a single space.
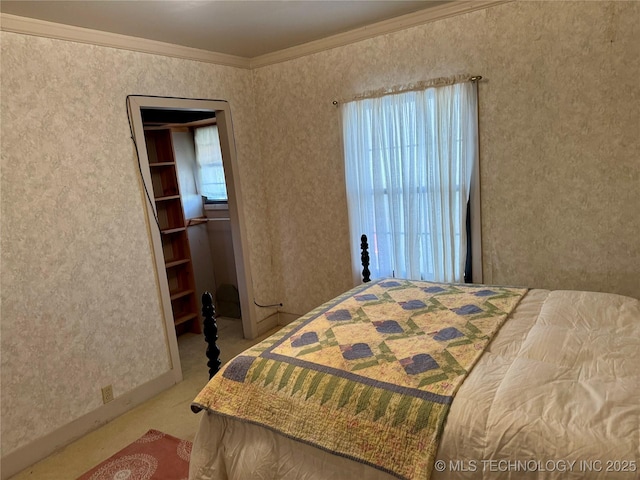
559 143
559 166
80 307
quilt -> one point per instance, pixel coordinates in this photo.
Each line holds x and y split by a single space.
369 375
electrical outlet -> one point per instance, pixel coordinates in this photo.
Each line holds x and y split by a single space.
107 394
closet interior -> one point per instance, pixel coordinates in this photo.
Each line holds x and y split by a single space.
189 195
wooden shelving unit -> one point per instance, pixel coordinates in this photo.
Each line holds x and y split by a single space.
175 243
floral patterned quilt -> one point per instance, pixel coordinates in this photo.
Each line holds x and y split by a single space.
369 375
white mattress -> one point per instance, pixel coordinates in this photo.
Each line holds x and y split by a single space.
555 396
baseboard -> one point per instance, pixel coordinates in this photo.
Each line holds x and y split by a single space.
268 323
41 448
278 318
285 318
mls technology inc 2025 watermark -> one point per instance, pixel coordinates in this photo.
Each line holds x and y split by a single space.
531 465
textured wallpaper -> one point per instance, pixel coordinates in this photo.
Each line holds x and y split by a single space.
80 307
559 144
560 168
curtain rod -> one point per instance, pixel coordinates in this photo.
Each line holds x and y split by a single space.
423 85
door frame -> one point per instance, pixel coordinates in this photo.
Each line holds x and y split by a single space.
242 256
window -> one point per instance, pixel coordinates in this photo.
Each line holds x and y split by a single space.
210 177
409 159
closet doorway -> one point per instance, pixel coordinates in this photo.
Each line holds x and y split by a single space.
199 241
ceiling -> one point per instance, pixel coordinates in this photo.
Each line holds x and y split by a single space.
241 28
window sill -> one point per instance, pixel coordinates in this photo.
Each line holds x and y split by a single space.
216 206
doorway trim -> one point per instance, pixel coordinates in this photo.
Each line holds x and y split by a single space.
242 256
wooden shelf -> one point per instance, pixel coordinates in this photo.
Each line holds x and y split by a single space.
175 263
159 146
170 214
181 294
175 242
185 318
169 197
169 231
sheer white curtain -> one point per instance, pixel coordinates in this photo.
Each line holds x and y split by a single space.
210 177
408 162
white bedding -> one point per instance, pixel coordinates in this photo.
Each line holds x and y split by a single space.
555 396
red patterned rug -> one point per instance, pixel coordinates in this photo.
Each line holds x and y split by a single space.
154 456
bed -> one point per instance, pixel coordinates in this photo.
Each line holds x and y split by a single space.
406 379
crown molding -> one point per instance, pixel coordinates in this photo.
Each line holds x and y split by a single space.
41 28
380 28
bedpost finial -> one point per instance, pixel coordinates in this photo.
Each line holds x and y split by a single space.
207 299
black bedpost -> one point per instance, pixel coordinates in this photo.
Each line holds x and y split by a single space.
364 246
210 334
